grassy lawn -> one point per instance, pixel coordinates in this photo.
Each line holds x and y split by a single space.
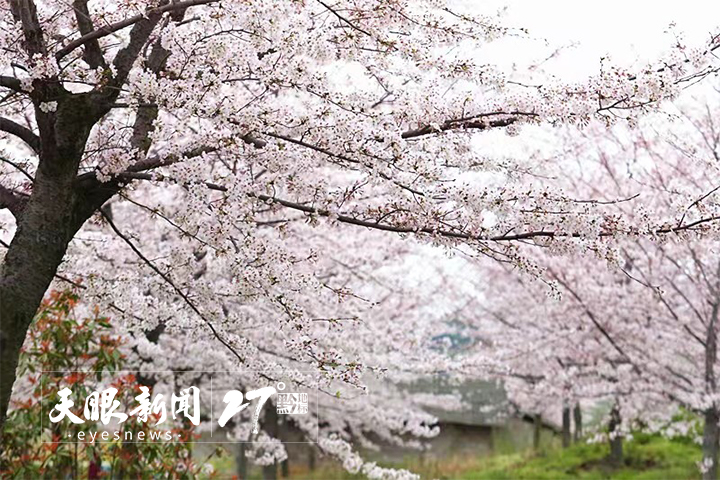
646 458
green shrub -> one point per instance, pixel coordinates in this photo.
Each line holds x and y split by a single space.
63 351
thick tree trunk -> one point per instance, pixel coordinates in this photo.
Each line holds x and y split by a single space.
51 217
58 205
566 435
44 230
577 416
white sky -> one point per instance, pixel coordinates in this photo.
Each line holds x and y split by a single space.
625 29
629 31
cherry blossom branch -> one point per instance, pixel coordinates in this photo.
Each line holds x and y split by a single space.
11 83
110 29
470 123
343 19
687 60
25 12
89 179
667 305
80 286
697 202
594 320
11 200
376 225
18 168
93 55
23 133
339 156
169 281
447 233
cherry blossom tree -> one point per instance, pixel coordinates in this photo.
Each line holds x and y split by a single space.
358 378
640 331
158 150
682 273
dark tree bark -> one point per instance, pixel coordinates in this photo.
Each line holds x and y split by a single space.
92 54
60 203
566 435
51 217
711 435
577 417
311 458
285 468
241 463
282 436
616 441
270 425
537 431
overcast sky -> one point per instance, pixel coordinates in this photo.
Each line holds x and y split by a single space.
626 29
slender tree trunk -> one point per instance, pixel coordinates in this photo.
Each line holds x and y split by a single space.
711 436
282 436
537 431
241 465
616 441
566 436
285 468
270 425
311 459
577 415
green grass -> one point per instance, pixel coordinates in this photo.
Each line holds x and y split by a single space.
646 458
